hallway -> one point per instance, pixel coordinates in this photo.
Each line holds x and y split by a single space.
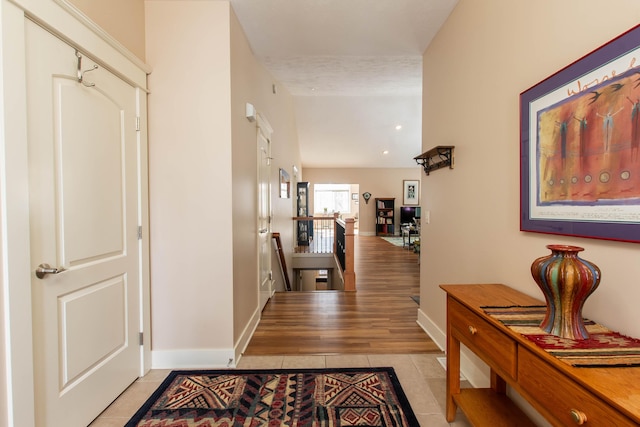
375 326
379 318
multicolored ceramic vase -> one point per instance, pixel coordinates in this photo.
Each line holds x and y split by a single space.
566 281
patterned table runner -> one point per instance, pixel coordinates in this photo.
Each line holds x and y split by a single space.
603 348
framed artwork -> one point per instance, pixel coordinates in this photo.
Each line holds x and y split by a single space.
411 192
285 184
354 196
579 146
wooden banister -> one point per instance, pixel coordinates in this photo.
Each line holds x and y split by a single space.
283 262
348 273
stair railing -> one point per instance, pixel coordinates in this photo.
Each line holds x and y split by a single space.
344 251
326 235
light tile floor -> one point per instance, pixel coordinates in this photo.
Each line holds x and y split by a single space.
421 376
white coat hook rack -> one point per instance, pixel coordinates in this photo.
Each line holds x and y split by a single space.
81 71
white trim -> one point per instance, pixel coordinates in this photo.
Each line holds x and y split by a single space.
192 359
143 218
471 367
14 217
264 124
263 127
476 373
437 335
82 33
80 16
247 334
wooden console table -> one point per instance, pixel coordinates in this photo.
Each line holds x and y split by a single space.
563 394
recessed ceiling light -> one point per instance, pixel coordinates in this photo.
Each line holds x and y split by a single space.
398 127
385 152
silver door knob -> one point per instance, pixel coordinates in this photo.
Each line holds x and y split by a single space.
44 269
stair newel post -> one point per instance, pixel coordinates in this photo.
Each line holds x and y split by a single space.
336 215
349 272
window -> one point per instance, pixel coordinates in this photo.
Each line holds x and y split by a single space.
331 198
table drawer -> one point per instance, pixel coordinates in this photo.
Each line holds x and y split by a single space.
562 397
494 347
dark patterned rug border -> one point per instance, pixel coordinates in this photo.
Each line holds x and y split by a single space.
395 383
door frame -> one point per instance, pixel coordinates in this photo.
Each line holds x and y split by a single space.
264 127
66 22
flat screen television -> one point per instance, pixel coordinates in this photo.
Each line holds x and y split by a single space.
407 213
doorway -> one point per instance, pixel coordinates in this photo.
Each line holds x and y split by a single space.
265 275
85 217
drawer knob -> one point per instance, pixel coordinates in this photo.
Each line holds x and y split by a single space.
473 330
578 417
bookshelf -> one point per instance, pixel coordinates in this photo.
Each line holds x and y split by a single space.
305 227
385 216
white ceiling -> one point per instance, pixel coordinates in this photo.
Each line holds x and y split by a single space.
354 68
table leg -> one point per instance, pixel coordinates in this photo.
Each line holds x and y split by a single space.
453 375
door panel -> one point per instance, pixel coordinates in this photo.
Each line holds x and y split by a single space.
91 207
83 187
86 339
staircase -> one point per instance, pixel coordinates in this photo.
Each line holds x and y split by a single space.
327 245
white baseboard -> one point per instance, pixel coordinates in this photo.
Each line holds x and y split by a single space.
437 335
206 359
192 359
246 335
443 362
475 373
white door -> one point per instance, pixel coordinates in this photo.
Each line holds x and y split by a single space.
264 212
83 219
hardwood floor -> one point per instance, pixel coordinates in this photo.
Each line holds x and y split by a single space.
379 318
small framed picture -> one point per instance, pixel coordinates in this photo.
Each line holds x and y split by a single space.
285 184
354 196
411 192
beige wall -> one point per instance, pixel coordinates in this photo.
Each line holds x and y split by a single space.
486 54
190 174
378 182
122 19
200 191
252 83
203 175
244 82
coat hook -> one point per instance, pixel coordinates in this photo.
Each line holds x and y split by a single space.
81 71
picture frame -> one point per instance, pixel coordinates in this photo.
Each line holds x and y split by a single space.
285 184
579 146
354 196
410 192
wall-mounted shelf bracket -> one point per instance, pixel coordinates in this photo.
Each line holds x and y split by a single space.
436 158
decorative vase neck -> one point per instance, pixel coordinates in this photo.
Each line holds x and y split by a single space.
565 250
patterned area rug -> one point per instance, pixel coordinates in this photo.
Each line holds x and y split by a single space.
603 348
397 241
303 397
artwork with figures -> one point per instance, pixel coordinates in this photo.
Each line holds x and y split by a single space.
580 146
588 145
